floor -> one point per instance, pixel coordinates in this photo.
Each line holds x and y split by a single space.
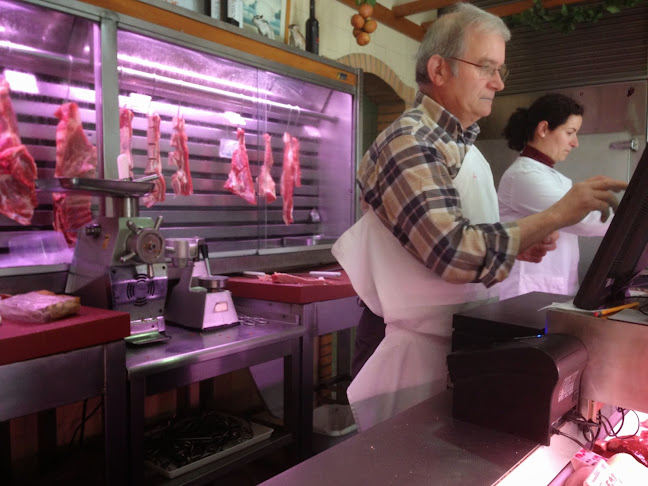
273 464
85 469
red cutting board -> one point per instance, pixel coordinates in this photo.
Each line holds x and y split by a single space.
20 341
329 289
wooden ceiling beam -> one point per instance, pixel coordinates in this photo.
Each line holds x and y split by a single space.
419 6
395 17
386 16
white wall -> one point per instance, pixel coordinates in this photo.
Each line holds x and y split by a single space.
396 50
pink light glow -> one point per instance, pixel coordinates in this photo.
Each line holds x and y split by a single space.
175 71
21 82
207 89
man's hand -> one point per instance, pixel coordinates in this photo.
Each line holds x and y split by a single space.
595 193
536 253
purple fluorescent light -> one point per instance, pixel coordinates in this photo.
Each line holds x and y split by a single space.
312 131
234 118
136 102
18 47
174 70
207 89
21 82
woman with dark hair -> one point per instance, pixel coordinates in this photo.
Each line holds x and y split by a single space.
544 134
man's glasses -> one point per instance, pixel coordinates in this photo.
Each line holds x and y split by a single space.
488 71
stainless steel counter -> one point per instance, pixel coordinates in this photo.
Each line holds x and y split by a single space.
421 446
190 356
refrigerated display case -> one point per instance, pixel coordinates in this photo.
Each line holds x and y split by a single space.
107 55
54 52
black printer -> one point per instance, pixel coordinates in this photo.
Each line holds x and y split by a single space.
523 386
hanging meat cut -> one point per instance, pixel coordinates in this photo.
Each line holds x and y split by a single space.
287 180
17 187
153 161
239 180
17 167
75 157
8 124
181 180
296 164
125 158
264 180
290 175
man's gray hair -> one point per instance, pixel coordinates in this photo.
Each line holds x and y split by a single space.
446 36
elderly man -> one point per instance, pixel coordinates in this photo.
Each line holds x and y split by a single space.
430 243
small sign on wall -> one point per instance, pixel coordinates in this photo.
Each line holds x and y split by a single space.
194 5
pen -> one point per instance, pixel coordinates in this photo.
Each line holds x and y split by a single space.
612 310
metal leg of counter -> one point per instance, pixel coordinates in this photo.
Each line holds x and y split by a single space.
47 439
115 414
307 370
137 396
5 452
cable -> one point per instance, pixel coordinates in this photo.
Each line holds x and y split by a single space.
556 431
184 440
84 419
588 428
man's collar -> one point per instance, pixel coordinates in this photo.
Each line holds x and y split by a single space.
446 119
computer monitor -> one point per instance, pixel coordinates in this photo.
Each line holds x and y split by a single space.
623 252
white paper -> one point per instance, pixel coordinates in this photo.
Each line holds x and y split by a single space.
227 148
568 306
630 315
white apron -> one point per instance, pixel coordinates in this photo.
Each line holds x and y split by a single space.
409 365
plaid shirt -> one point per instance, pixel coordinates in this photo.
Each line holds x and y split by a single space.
407 175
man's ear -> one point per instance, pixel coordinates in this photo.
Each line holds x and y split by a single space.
438 70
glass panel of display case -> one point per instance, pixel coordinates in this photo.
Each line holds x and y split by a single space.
236 117
46 72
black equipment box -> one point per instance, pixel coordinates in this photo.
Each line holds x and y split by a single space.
523 386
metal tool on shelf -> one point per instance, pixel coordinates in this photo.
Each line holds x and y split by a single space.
119 260
200 299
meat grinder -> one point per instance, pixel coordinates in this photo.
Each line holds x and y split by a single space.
118 260
199 300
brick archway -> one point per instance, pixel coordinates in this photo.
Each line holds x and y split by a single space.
373 65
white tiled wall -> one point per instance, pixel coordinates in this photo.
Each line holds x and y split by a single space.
396 50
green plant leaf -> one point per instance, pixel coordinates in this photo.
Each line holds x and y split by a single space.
567 17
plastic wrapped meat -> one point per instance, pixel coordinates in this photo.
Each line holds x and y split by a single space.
239 180
290 175
75 157
181 180
264 180
17 167
153 161
125 158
